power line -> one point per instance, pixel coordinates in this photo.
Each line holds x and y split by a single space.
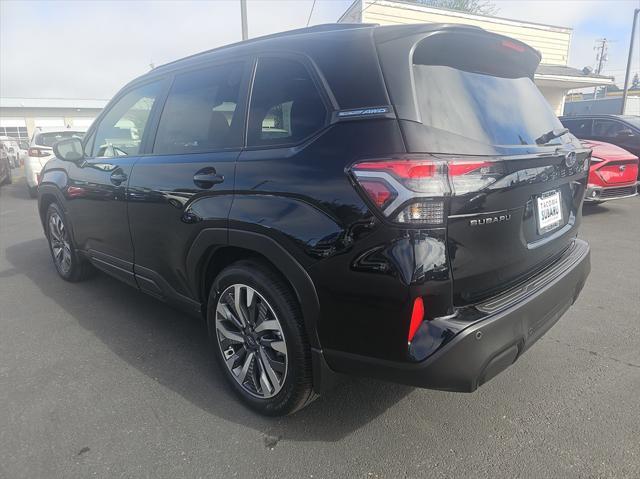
311 12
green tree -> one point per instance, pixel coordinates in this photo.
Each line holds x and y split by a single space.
483 7
635 82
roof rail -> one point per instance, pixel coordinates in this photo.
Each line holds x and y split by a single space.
323 27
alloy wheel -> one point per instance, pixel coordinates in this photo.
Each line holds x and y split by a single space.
251 340
59 240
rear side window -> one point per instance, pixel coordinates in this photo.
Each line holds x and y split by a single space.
286 106
120 131
580 128
201 112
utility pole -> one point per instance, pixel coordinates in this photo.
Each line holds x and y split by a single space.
601 58
243 17
628 72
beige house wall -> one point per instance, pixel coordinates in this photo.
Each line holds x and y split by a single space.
552 42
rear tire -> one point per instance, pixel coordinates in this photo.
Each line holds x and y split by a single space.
268 367
70 266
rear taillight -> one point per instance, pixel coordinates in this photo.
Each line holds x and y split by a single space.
412 189
38 152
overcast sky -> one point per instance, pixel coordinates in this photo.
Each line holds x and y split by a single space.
89 49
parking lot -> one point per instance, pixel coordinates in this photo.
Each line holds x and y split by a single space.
97 379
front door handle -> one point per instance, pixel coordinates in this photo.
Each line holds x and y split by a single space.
206 178
118 177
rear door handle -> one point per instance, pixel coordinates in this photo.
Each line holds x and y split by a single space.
118 177
207 177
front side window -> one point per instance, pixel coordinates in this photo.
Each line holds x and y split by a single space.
200 112
120 131
607 128
286 106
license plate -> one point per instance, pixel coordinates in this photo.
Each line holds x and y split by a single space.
549 211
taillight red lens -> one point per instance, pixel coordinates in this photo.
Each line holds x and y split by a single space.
379 192
401 169
412 188
417 316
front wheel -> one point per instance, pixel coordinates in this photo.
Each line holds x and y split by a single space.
258 337
70 266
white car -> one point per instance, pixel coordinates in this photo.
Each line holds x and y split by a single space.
41 151
12 149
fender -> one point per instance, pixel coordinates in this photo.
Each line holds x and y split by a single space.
300 280
52 183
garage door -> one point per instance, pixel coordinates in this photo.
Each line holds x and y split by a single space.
14 127
49 122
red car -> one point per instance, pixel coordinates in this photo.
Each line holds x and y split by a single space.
613 173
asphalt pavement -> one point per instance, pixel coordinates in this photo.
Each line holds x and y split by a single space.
99 380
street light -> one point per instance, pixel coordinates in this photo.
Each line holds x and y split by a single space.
627 74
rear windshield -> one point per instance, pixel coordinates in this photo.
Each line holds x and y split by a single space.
49 139
489 109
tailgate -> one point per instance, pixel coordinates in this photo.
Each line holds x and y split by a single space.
516 226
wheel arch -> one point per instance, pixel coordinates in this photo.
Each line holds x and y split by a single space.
211 252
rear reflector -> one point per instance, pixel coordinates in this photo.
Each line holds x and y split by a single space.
417 316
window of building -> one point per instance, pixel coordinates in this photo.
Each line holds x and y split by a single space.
200 112
286 107
121 130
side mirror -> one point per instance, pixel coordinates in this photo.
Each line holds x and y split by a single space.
69 149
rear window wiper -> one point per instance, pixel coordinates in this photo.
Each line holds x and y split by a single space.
550 135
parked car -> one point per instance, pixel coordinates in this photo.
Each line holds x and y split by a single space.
397 202
12 150
5 168
613 173
40 151
619 130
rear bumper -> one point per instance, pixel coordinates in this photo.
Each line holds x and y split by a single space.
599 193
510 323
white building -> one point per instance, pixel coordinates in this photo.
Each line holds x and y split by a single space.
19 117
554 77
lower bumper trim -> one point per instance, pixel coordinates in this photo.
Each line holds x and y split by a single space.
487 346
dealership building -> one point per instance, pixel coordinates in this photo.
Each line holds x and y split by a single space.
19 117
554 76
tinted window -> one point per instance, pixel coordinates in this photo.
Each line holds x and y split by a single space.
49 139
489 109
286 106
120 131
607 128
200 112
580 128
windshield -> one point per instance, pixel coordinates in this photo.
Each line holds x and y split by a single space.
634 120
49 139
489 109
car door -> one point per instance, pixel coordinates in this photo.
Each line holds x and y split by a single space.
96 189
186 182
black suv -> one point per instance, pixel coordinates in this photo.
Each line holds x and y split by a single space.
397 202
